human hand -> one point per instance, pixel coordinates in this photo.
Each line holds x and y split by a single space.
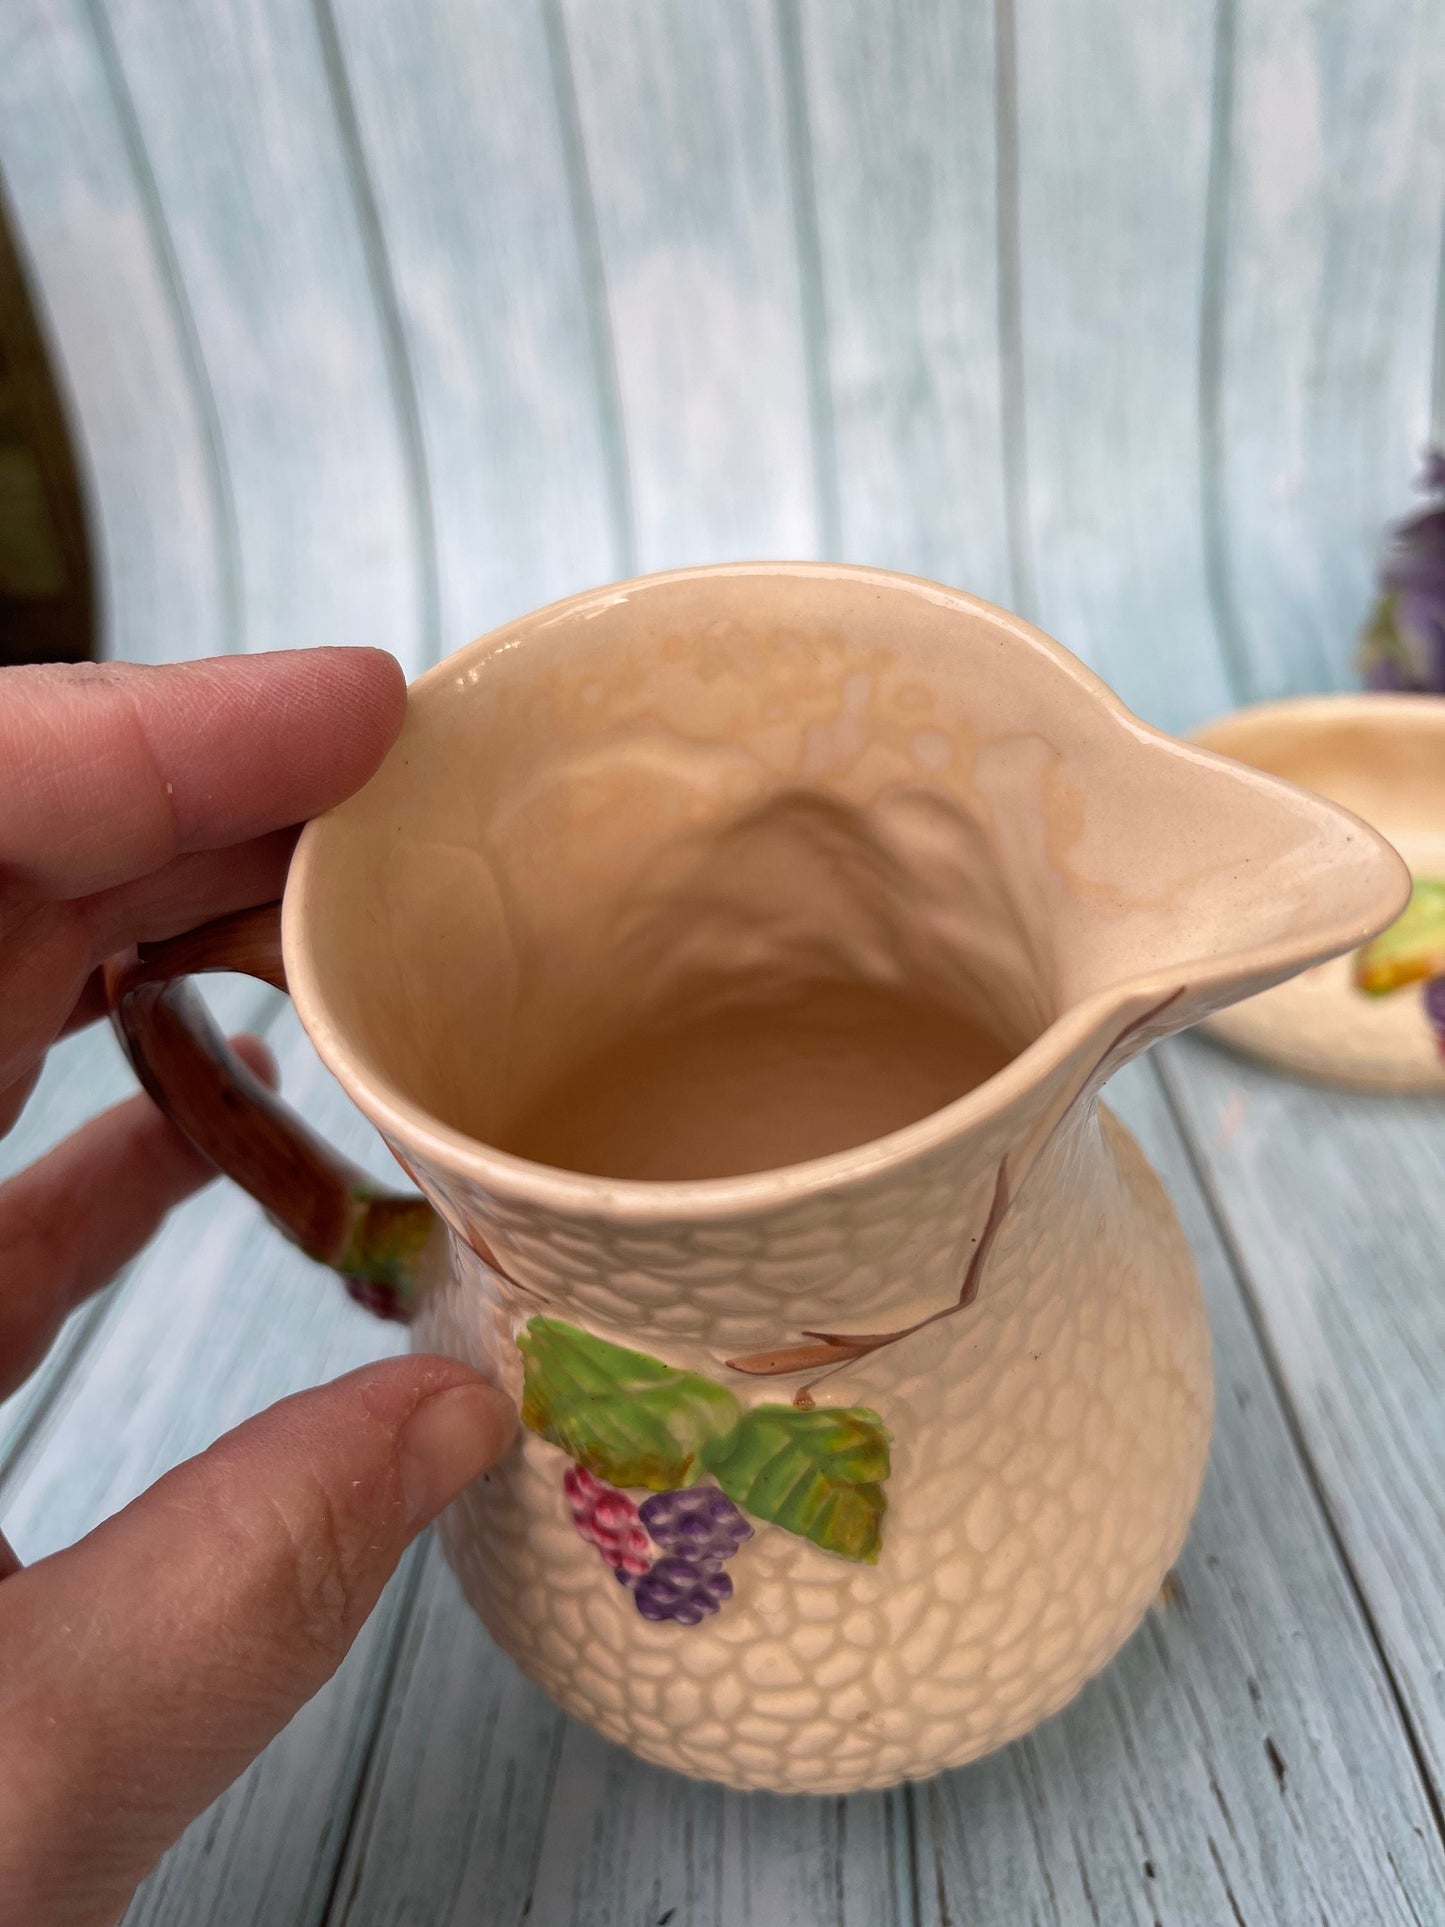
141 1669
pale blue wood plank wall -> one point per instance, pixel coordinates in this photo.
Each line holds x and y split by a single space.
1113 163
382 326
467 132
1330 164
902 127
246 136
105 280
682 114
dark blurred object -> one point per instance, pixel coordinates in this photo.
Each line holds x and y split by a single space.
46 603
1404 639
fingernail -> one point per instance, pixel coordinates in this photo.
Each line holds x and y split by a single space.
447 1442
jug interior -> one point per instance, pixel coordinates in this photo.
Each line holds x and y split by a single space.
818 1069
685 903
771 990
736 988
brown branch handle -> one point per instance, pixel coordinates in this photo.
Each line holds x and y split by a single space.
376 1239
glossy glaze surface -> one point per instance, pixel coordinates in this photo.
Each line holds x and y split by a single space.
669 798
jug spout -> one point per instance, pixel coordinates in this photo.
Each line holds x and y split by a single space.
1203 881
1164 882
1113 885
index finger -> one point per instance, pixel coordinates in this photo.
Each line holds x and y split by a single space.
109 770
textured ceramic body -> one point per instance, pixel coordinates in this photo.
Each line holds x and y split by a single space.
1384 758
1048 1445
948 1389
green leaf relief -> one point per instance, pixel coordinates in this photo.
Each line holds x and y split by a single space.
627 1417
388 1241
819 1474
1412 949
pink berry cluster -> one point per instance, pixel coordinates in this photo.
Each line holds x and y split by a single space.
607 1519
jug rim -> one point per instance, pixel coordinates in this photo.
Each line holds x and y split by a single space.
1097 1017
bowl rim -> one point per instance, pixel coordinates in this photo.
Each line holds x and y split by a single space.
1323 712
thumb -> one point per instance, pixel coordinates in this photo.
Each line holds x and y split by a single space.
141 1670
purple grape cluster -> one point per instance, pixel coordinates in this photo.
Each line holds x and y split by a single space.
697 1530
1434 996
681 1589
700 1524
1403 645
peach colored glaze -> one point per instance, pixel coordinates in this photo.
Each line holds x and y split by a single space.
749 1088
715 950
785 986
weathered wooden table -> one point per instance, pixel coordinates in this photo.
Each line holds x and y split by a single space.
1270 1747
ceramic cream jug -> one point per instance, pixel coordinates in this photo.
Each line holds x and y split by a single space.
733 958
